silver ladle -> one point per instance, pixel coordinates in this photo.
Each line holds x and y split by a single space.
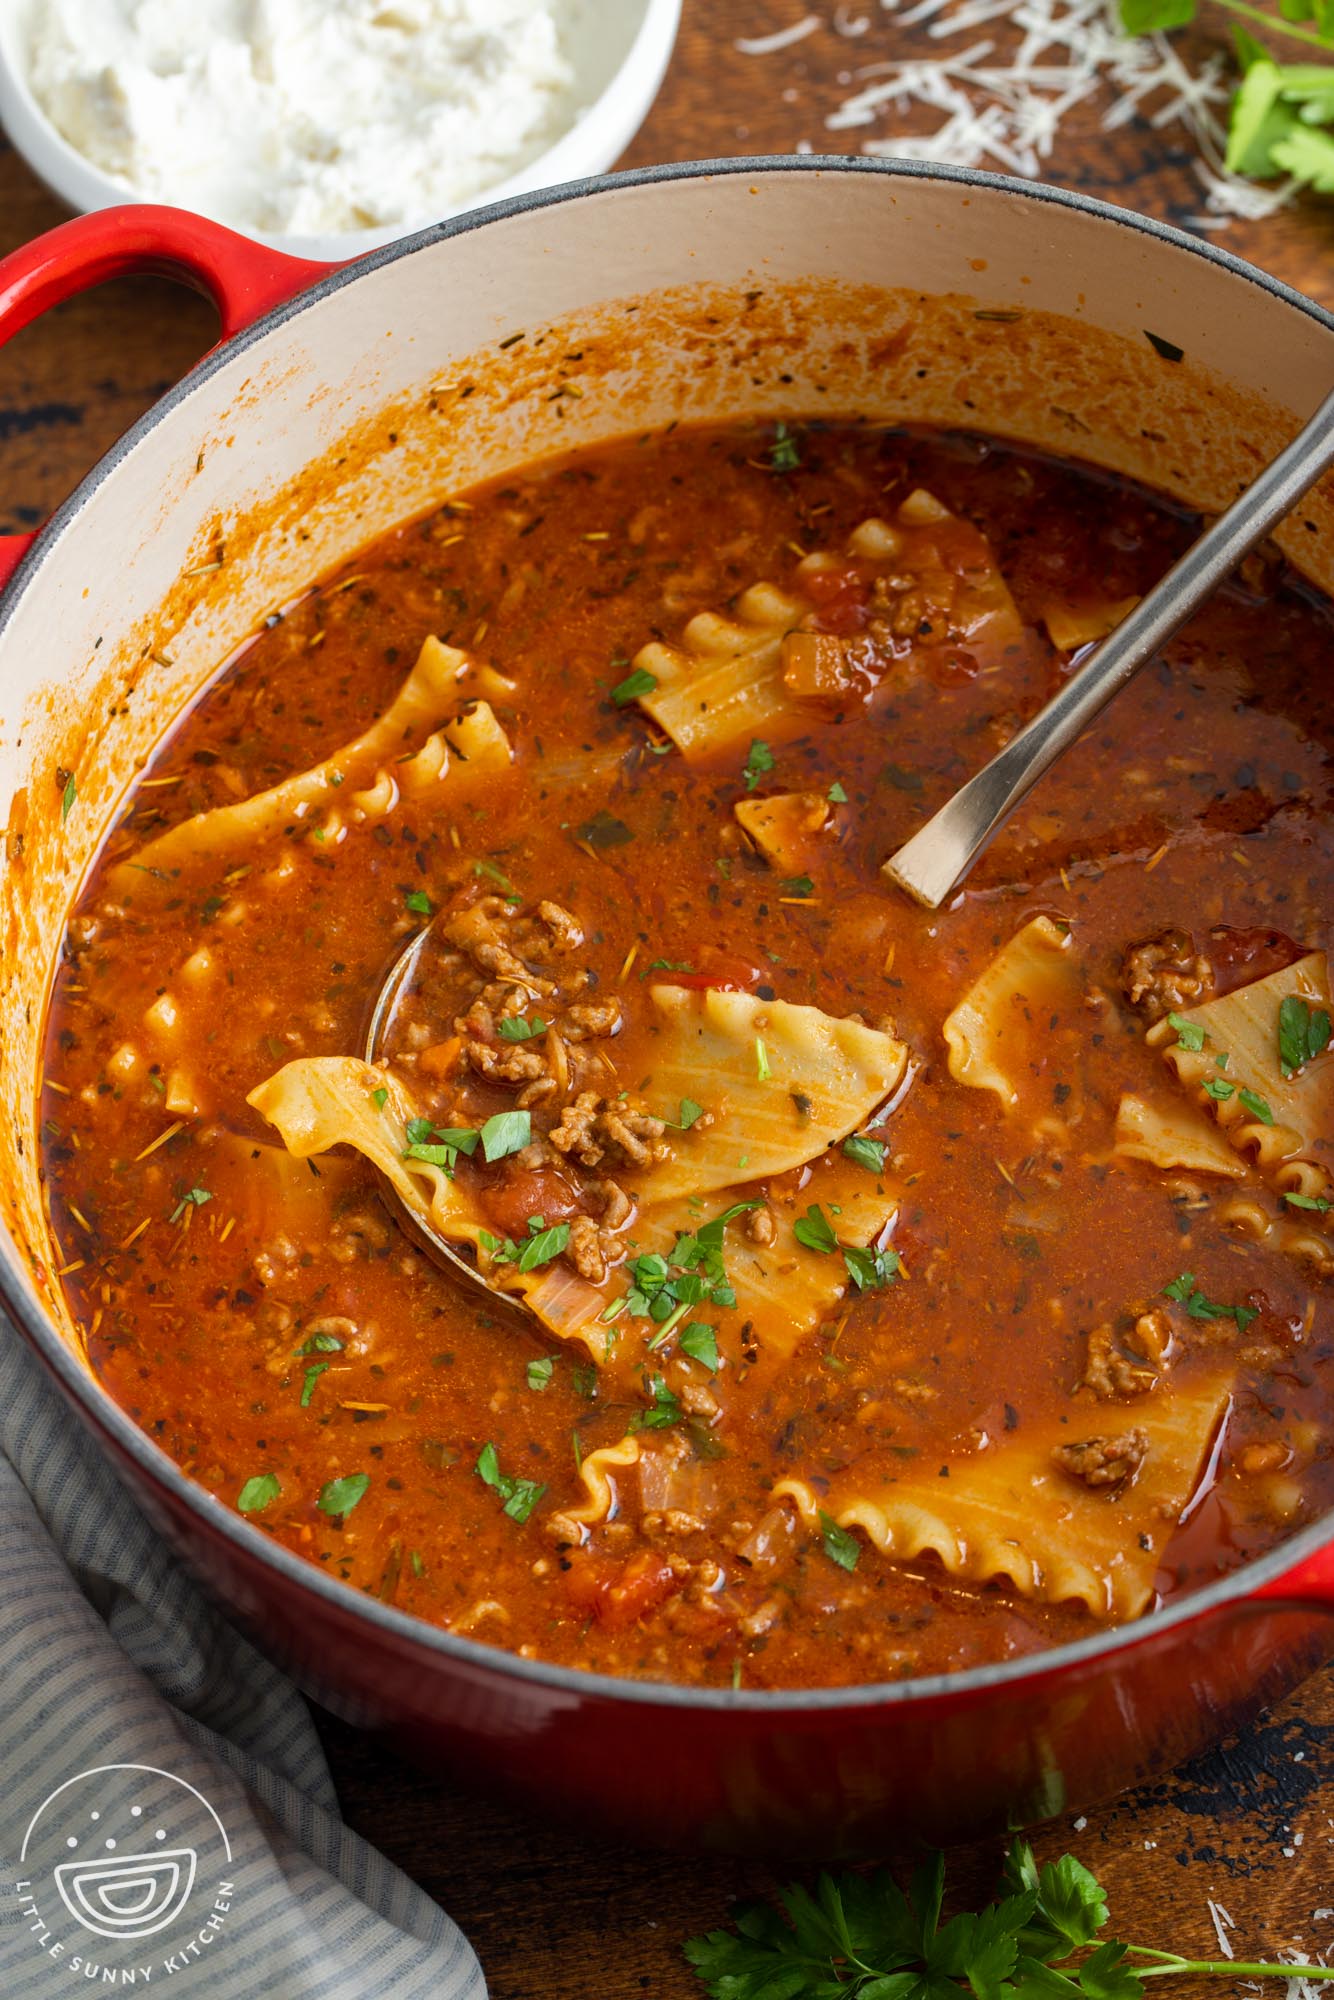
940 854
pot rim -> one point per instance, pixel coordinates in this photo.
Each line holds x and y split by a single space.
20 1299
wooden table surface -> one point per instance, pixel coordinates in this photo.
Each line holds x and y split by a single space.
1249 1829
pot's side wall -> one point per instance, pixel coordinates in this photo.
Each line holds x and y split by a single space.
893 298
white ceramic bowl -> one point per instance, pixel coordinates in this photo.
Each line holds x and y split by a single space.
619 49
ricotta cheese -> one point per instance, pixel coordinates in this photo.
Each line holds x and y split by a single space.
305 116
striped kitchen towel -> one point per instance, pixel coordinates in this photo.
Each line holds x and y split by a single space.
167 1818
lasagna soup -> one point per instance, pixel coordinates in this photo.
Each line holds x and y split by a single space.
864 1291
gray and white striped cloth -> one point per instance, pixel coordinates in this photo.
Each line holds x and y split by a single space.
128 1703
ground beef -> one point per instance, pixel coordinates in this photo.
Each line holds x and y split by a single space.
1101 1462
1127 1364
1165 974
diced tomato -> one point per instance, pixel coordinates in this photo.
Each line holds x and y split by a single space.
520 1192
840 599
1239 956
619 1593
724 969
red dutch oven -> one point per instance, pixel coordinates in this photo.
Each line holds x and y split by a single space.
340 401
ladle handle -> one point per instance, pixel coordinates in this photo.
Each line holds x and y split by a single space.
941 853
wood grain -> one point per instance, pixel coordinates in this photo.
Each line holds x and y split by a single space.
1250 1828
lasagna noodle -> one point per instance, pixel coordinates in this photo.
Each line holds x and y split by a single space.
440 678
597 1475
824 1076
725 682
784 1288
990 1033
1011 1515
1243 1028
1173 1136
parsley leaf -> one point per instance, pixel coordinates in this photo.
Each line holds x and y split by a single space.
700 1342
515 1029
1216 1088
864 1152
489 871
836 794
763 1070
258 1493
690 1112
1257 1106
665 1410
508 1132
783 453
543 1245
1316 1201
759 760
839 1545
418 902
1190 1034
380 1097
797 885
870 1269
313 1374
1183 1291
815 1231
194 1197
439 1145
1303 1032
340 1496
540 1373
640 682
69 797
518 1496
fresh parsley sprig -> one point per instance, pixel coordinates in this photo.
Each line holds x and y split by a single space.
860 1937
1282 114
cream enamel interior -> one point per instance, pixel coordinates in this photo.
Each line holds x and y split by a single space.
768 290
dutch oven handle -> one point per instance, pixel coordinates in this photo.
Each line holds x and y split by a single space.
1310 1586
243 279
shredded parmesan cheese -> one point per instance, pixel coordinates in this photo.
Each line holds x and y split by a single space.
1001 100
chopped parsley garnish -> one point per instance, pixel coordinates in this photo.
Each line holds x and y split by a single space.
418 902
340 1496
1303 1033
690 1111
540 1373
313 1374
664 1289
640 682
538 1248
258 1493
1216 1088
783 453
1183 1291
664 1411
870 1269
700 1342
762 1068
836 794
516 1029
194 1197
864 1152
1190 1035
815 1231
519 1496
68 798
798 885
439 1145
840 1546
1256 1106
491 873
320 1343
758 762
1315 1201
379 1098
508 1132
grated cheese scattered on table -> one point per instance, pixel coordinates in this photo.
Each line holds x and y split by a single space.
1001 102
